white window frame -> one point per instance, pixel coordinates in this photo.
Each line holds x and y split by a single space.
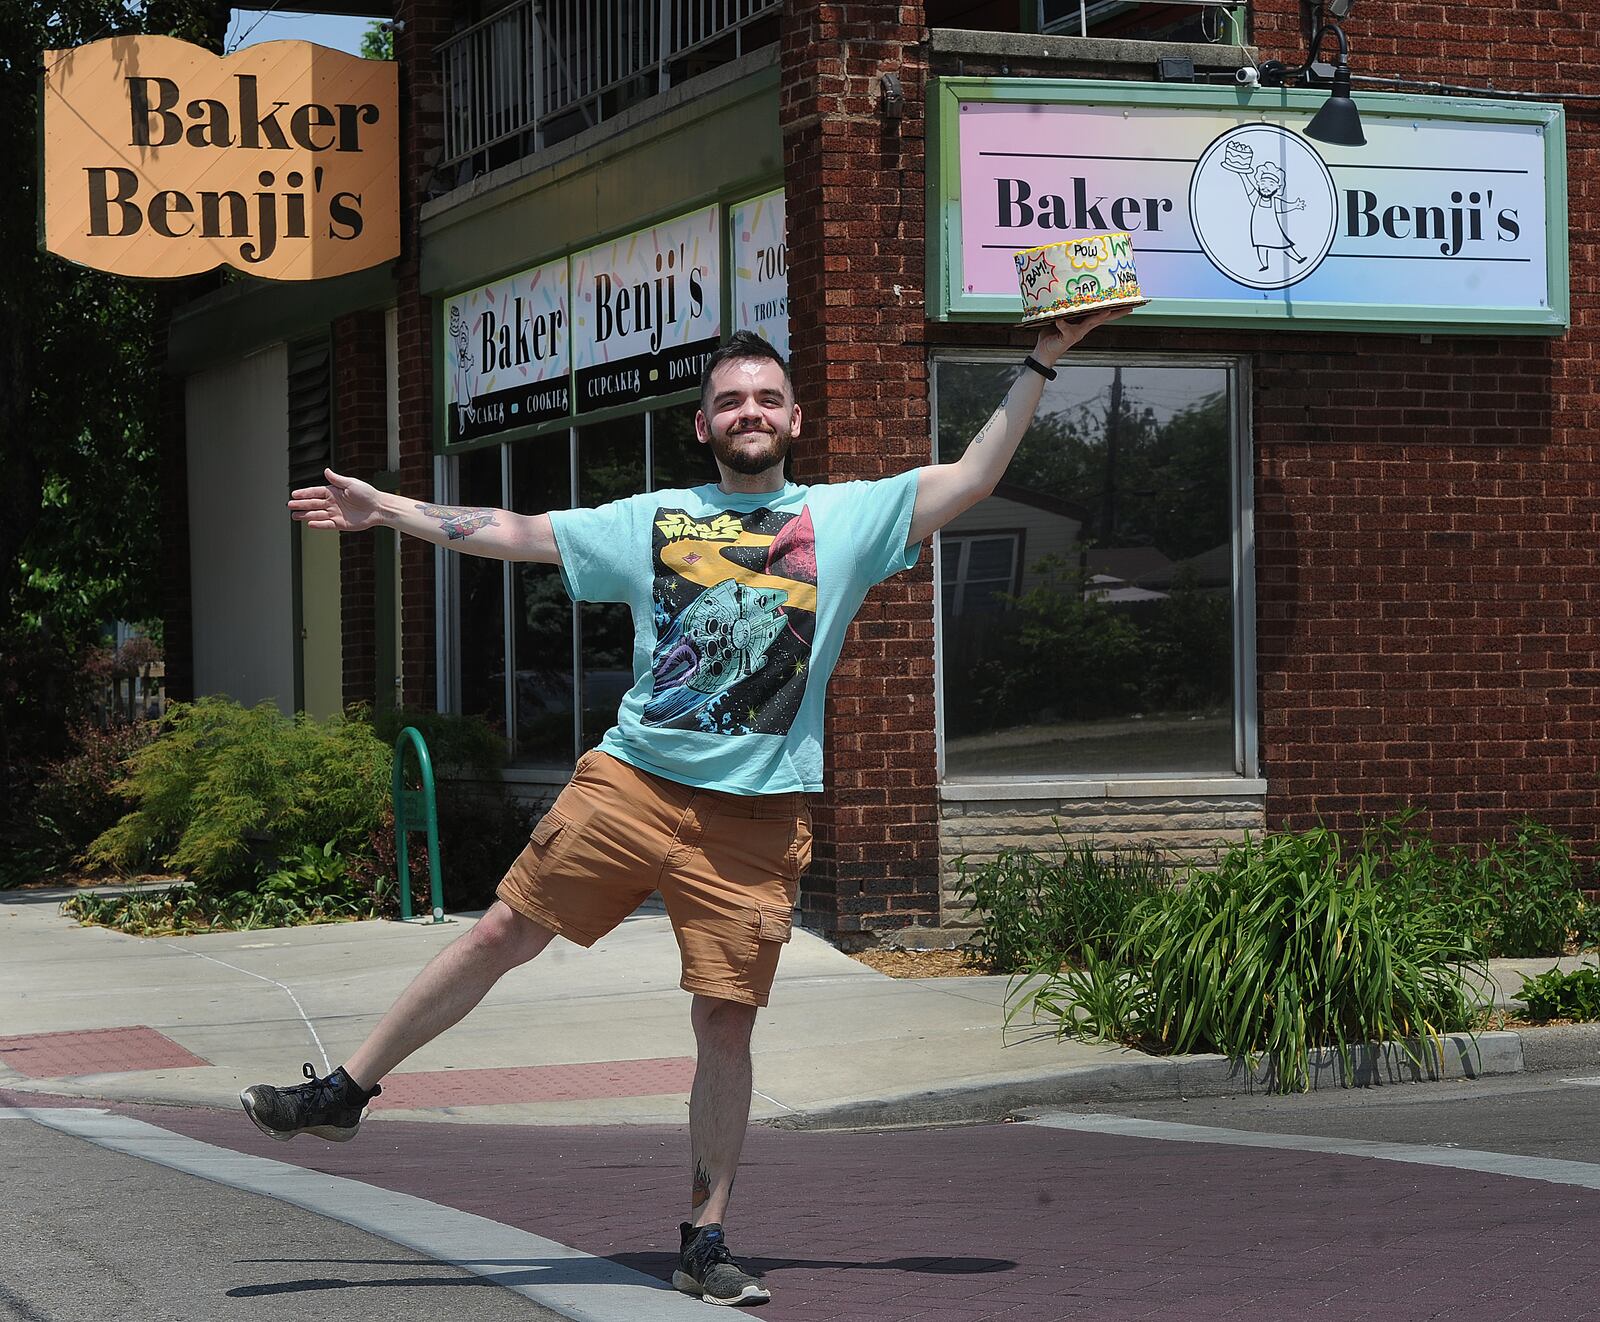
965 540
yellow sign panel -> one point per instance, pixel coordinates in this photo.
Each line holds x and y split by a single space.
163 159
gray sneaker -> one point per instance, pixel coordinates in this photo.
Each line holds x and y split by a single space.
329 1108
706 1268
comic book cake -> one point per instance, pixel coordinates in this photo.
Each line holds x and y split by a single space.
1077 277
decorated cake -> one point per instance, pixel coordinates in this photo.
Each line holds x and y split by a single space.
1077 277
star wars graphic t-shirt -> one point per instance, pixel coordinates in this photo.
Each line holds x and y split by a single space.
740 605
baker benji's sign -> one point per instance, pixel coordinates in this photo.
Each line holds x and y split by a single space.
1453 216
163 159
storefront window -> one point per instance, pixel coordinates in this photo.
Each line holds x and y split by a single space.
541 622
678 458
1088 608
481 637
612 459
611 465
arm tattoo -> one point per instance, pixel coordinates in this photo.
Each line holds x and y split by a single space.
458 521
983 432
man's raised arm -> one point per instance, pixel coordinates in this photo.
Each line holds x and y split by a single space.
946 490
347 504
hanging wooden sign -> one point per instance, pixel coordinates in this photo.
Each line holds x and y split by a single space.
163 159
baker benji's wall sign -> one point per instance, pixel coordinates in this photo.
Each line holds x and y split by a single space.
761 268
625 322
163 159
506 354
1452 217
646 311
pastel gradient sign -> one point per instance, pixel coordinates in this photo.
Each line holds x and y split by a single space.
1235 214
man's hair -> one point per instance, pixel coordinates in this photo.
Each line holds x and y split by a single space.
741 344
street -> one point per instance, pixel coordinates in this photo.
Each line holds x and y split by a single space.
1119 1211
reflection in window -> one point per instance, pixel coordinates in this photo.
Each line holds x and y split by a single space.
610 467
680 460
1110 651
541 623
481 641
978 571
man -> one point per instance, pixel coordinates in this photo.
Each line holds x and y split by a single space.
741 594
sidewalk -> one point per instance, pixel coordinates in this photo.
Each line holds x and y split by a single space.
576 1037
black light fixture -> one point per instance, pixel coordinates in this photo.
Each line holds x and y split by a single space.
1338 122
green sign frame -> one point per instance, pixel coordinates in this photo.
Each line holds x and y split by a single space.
947 300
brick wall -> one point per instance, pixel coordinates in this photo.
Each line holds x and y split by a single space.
854 183
1425 519
360 448
1425 522
421 25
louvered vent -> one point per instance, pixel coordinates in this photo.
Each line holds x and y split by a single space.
310 414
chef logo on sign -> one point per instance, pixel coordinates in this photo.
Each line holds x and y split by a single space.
1263 205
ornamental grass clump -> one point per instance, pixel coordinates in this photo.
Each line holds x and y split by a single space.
1289 945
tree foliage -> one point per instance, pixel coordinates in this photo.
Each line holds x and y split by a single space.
377 42
79 356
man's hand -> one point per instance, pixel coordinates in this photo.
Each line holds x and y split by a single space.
1061 334
346 504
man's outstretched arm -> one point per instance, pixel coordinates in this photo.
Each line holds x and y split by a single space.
946 490
347 504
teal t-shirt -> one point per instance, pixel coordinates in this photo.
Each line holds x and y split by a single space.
740 605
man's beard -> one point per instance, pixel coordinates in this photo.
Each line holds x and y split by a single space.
748 462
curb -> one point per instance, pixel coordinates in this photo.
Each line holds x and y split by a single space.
991 1101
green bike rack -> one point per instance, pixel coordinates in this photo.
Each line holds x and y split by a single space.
420 801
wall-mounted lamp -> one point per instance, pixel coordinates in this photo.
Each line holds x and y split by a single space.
894 96
1338 122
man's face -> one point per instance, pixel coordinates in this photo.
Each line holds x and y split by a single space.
750 420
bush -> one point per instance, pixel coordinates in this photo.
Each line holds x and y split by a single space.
1033 912
1558 995
460 747
317 886
481 828
1286 946
224 793
1517 899
1587 935
81 795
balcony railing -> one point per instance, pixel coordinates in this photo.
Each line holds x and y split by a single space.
538 71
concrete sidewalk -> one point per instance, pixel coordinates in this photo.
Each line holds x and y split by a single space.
575 1037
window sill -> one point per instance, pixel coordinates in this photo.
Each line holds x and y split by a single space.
1131 787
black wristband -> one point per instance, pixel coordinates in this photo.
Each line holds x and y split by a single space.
1048 373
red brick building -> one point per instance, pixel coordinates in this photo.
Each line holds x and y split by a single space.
1256 567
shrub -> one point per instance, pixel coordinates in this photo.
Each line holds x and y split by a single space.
1558 995
225 790
1517 899
1286 946
316 886
81 795
1588 930
1034 911
481 828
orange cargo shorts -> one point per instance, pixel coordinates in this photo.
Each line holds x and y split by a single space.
728 867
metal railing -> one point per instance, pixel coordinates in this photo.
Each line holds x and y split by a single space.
538 70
